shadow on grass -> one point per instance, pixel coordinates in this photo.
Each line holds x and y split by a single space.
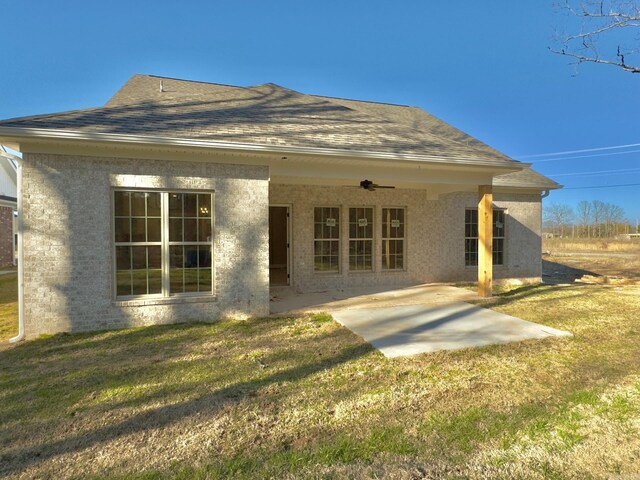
124 342
554 273
528 292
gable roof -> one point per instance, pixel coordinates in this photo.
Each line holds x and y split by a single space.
270 115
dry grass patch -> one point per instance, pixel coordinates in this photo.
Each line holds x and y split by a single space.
590 245
305 398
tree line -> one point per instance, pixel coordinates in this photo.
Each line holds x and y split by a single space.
595 219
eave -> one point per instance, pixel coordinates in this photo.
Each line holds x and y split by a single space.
16 137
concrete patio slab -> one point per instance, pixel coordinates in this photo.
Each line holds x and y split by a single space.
285 300
411 329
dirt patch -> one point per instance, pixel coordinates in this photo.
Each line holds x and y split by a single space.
591 262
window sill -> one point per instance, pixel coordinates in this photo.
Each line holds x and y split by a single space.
144 302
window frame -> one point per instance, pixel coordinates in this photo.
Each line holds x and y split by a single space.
383 239
165 245
371 239
504 212
338 240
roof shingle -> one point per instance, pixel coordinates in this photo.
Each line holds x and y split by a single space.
269 115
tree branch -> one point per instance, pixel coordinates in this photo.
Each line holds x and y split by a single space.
601 19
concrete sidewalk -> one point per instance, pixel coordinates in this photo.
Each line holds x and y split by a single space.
409 330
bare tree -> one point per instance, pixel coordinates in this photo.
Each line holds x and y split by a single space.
584 217
613 215
558 216
608 32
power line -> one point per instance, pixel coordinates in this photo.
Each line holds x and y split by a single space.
600 172
603 186
584 156
580 151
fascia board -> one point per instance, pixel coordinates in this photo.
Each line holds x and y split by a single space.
14 135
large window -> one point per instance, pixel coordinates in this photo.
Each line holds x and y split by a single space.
393 232
361 239
471 237
162 243
326 244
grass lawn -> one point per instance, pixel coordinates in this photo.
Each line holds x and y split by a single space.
305 398
8 306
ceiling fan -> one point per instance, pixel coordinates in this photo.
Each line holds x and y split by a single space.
369 185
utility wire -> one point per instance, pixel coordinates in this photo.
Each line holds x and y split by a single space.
603 186
554 154
584 156
600 172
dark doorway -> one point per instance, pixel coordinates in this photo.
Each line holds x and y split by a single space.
278 246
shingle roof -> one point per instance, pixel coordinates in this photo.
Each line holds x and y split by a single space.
525 178
268 115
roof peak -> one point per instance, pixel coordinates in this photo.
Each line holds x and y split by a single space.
272 84
161 77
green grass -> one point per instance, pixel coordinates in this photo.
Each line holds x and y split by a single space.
305 398
8 306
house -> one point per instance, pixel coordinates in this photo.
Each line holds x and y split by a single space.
8 206
186 201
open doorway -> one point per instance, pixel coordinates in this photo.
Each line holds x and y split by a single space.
279 245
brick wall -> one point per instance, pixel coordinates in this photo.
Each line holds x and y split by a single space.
68 249
434 241
6 236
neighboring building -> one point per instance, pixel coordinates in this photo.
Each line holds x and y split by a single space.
184 201
8 205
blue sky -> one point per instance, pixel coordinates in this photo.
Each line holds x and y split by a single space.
482 66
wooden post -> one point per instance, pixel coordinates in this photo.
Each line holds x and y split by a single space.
485 240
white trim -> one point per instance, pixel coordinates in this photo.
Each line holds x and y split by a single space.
164 249
52 134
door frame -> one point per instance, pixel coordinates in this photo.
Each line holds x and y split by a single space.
289 208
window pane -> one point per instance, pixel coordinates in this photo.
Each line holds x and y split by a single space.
153 204
204 280
123 258
176 255
190 279
175 205
139 257
154 257
122 230
204 256
123 282
138 233
139 282
175 230
138 204
204 205
190 256
204 230
190 230
176 279
121 204
190 205
155 281
153 230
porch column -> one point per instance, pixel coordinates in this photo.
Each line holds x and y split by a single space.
485 240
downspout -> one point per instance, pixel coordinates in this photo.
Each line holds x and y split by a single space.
545 193
20 335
